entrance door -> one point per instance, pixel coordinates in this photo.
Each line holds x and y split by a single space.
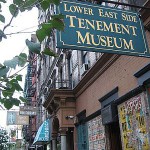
82 137
70 139
113 135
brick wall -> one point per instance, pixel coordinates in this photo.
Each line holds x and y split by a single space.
120 74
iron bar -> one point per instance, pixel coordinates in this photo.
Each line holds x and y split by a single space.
125 4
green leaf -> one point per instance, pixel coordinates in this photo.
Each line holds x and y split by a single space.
15 85
22 9
11 63
23 99
49 52
2 35
19 77
33 47
13 81
3 71
29 3
47 28
2 100
18 87
44 31
45 5
8 93
8 104
58 24
13 10
8 86
56 2
22 59
3 1
18 2
15 101
2 18
41 34
59 16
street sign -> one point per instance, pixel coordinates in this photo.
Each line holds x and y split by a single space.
29 113
11 117
96 28
22 120
28 110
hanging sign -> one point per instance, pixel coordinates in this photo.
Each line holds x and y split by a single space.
92 27
28 110
11 117
43 134
22 120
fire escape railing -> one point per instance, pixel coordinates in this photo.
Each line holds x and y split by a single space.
63 84
55 84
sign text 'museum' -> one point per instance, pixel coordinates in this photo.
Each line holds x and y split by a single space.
92 27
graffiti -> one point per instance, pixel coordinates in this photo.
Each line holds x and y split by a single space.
133 105
96 134
132 118
140 120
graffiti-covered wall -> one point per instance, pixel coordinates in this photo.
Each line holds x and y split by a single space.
133 118
96 134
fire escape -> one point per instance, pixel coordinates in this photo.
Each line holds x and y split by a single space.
30 94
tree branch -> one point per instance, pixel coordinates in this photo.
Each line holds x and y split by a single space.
10 20
18 32
8 23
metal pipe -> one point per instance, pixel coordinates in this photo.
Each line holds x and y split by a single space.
125 4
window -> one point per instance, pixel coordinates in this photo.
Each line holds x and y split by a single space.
84 56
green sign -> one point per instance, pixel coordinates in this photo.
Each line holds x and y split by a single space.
91 27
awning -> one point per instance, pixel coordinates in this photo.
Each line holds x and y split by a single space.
44 133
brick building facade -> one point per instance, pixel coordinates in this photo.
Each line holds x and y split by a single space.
96 101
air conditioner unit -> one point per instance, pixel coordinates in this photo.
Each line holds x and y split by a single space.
84 69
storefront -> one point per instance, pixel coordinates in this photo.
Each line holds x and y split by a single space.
123 119
90 132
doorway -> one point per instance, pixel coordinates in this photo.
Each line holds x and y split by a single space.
113 136
70 139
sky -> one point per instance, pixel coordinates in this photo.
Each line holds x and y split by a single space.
15 43
3 115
